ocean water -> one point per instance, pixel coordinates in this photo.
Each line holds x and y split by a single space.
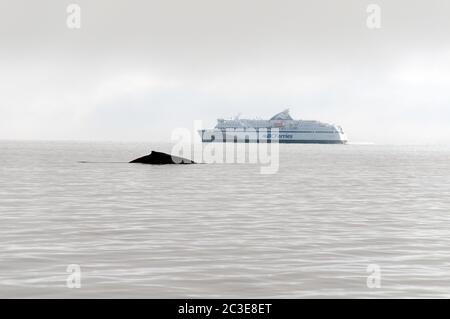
224 230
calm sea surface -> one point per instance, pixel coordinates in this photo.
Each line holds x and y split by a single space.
224 230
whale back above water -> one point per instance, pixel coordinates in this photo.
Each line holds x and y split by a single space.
160 158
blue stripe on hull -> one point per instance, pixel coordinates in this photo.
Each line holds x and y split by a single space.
287 142
311 142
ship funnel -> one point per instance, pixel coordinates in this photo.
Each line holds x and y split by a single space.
282 116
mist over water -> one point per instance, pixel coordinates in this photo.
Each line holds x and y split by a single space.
224 230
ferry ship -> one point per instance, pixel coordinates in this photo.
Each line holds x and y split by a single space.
281 128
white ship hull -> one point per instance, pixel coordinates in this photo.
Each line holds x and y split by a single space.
239 136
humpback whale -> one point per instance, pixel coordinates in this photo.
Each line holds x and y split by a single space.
159 158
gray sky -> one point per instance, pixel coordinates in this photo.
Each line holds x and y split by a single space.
138 69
